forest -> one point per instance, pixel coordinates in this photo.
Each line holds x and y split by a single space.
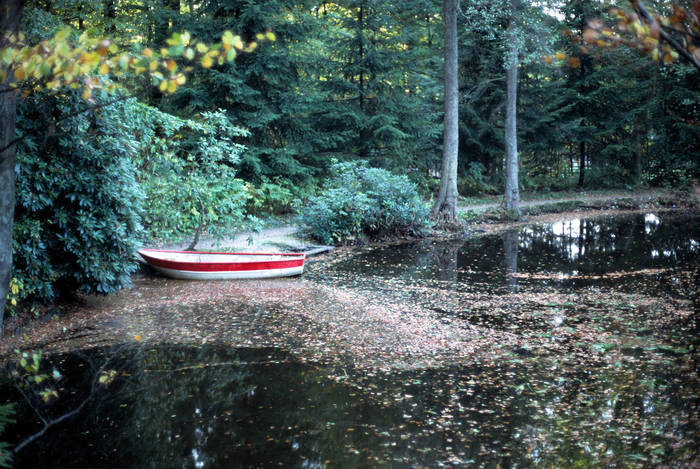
149 150
434 334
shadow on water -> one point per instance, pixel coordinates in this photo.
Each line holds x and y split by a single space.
212 406
618 386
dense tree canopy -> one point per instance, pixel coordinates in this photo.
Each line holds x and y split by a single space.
345 80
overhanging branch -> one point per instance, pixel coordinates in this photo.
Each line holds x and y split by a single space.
64 118
638 5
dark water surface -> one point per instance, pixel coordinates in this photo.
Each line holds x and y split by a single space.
630 400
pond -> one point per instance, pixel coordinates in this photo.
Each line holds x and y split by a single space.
586 355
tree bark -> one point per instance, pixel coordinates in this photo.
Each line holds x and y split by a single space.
582 164
10 14
638 149
511 197
446 204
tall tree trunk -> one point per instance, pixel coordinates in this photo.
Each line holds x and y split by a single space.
582 163
363 131
511 197
638 150
446 203
10 14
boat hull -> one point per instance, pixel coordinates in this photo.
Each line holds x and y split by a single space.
193 265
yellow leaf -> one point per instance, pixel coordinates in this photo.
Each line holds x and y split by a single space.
668 58
87 93
180 79
207 62
227 38
104 68
163 85
560 56
148 52
137 338
590 35
548 59
19 74
270 36
201 48
172 86
171 65
153 65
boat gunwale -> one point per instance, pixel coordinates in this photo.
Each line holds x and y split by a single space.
300 255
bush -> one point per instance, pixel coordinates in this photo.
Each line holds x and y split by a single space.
278 196
78 210
92 191
358 201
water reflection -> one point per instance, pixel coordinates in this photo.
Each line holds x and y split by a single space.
176 406
510 254
629 254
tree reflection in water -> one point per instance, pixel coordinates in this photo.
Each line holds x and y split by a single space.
511 240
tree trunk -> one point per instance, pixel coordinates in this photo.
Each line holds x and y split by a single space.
582 163
9 23
511 197
446 204
638 149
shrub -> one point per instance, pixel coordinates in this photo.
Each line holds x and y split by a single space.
278 196
357 201
78 210
86 190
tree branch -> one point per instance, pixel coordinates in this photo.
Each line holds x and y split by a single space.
69 116
642 10
680 31
67 415
199 227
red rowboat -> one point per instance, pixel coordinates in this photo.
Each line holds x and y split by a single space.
195 265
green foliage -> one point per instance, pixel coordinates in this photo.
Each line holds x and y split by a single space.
381 69
6 413
474 182
277 197
359 201
187 168
332 84
89 194
78 209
